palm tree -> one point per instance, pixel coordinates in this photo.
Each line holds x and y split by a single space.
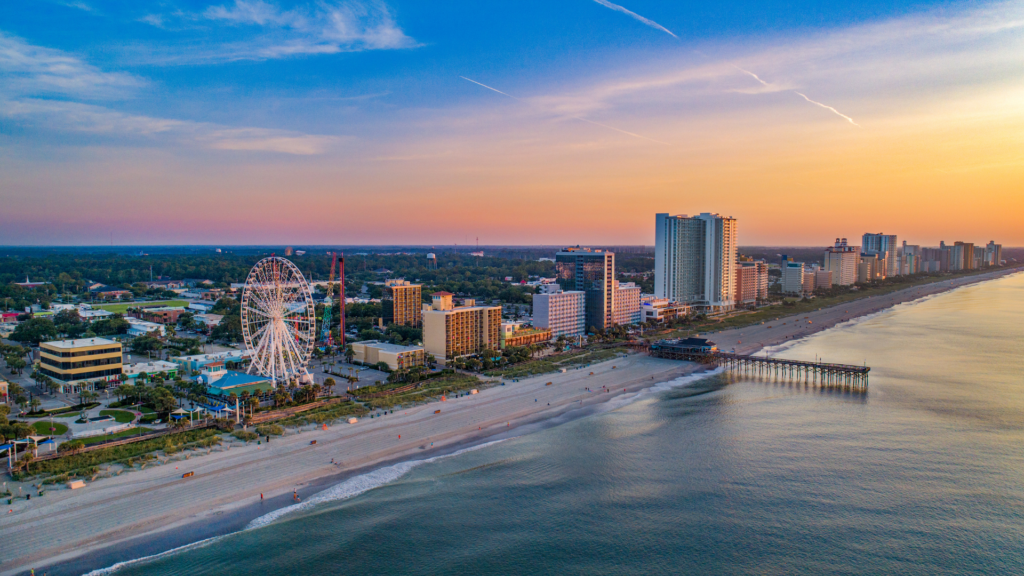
34 404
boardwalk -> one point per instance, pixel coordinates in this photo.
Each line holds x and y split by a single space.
704 352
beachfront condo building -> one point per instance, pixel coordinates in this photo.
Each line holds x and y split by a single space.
934 259
962 256
77 365
514 335
564 313
792 276
910 259
627 304
695 260
884 246
871 268
593 273
451 331
402 303
842 259
751 281
656 309
993 254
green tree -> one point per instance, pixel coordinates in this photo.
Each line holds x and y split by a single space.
163 400
34 331
16 364
229 329
143 344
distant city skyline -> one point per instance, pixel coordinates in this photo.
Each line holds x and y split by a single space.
243 122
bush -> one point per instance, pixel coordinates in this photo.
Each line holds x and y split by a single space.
69 447
72 463
269 430
245 435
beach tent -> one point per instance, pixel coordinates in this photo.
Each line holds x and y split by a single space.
50 443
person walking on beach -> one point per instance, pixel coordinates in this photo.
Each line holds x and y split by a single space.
261 496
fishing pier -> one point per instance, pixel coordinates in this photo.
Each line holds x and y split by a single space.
704 352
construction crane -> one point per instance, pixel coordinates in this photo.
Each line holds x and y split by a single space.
325 328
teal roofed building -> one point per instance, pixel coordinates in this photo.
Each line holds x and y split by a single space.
225 382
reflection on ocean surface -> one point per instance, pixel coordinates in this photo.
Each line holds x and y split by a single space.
924 474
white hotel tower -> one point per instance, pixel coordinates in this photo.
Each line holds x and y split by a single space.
695 260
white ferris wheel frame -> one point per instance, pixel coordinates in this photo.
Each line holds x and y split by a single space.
278 320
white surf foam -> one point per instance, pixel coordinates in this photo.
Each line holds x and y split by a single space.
348 489
127 563
359 484
627 399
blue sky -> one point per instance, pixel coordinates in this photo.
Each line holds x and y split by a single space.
115 106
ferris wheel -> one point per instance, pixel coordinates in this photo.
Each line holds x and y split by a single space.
278 320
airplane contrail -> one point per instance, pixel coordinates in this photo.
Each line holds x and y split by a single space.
848 119
489 88
573 117
755 76
804 96
636 16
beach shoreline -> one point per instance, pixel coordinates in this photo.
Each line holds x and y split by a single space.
146 512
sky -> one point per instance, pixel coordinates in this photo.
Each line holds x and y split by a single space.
527 122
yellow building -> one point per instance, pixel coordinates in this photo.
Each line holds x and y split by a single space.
450 331
403 303
395 356
525 337
80 364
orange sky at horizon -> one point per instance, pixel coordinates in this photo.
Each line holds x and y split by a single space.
937 153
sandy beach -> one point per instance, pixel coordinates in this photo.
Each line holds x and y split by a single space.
151 510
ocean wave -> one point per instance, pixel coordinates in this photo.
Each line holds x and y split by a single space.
348 489
358 485
127 563
627 399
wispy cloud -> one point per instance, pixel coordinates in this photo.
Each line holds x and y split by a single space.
851 63
580 118
82 118
32 78
273 33
29 69
257 139
635 16
79 5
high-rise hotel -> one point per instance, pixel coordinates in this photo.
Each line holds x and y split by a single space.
402 303
593 273
695 260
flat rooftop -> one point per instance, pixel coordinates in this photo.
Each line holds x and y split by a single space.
388 347
81 343
147 367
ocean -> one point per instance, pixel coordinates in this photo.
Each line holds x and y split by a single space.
720 474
